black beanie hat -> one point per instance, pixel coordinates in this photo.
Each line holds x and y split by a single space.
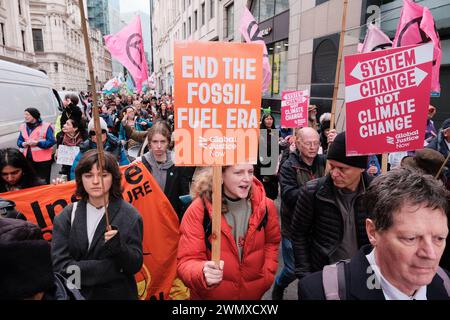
325 124
34 113
25 269
336 151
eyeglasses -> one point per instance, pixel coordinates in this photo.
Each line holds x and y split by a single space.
92 133
311 144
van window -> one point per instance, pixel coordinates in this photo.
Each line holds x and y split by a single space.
16 98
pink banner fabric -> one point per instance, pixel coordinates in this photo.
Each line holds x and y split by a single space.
127 46
416 26
375 40
251 33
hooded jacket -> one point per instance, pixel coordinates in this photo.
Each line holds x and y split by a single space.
248 278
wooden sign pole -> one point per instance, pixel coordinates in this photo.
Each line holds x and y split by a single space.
384 163
216 213
101 155
442 167
338 65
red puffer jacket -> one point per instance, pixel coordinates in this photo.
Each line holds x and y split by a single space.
247 279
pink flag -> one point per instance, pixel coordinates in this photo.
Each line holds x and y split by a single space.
416 25
250 31
375 40
127 46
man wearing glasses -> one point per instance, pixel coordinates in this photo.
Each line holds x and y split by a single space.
110 144
328 224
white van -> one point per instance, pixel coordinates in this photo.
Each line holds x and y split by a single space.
20 88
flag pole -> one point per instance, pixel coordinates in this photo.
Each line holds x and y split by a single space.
97 128
338 65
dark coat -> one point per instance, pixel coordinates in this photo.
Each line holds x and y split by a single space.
270 182
317 226
294 173
107 269
177 184
71 112
311 287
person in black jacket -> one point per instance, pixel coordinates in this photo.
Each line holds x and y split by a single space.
303 165
407 230
329 219
71 110
107 256
173 180
264 165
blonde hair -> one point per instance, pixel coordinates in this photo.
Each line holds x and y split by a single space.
202 187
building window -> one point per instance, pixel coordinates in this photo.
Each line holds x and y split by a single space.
266 10
254 9
212 9
23 40
230 21
56 66
20 7
278 58
325 54
195 20
2 33
320 2
281 6
189 26
203 14
38 41
184 30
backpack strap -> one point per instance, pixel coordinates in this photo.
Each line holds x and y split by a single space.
207 224
263 221
444 276
207 227
74 208
333 280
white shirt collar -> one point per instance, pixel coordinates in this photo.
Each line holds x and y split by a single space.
389 291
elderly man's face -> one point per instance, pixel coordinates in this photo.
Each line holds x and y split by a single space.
408 253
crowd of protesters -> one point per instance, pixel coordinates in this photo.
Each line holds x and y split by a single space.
333 208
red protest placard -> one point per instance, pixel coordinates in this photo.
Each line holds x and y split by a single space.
387 94
294 109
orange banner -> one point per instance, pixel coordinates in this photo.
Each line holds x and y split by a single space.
217 92
157 278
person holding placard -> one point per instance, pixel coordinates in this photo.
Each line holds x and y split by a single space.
250 236
70 136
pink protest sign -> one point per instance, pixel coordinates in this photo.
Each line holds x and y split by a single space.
387 98
294 109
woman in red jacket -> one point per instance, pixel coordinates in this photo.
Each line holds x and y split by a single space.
249 244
